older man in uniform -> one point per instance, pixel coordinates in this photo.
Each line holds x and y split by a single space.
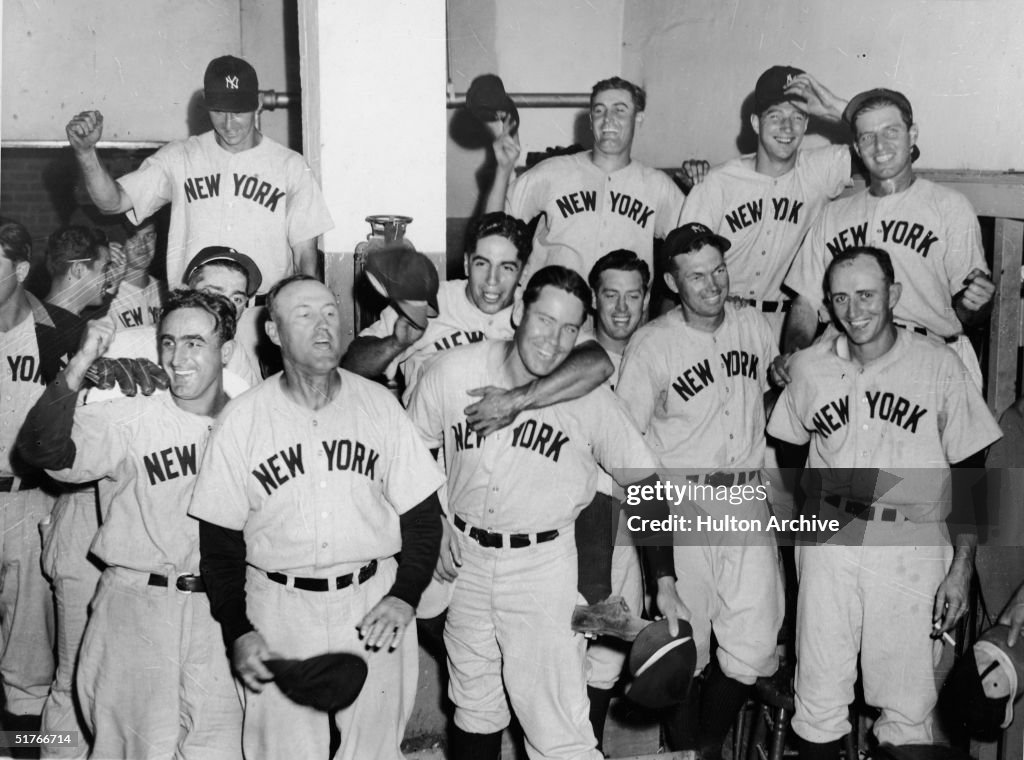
312 483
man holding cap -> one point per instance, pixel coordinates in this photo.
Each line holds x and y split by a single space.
695 382
444 315
233 185
930 231
763 203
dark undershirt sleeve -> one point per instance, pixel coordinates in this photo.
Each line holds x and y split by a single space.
660 559
44 440
421 544
222 565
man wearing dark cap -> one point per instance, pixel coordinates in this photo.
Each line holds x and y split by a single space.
763 203
232 185
695 382
930 231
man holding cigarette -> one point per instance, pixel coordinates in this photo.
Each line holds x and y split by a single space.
877 397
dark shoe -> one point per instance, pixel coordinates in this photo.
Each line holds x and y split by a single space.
612 617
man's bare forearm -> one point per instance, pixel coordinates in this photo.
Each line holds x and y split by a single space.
370 357
499 189
587 367
108 196
304 258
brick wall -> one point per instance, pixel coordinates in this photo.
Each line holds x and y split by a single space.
39 187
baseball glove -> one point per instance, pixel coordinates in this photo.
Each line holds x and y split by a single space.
328 682
131 375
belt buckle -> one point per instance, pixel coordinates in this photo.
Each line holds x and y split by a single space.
178 583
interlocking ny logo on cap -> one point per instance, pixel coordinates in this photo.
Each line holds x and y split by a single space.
701 229
231 82
789 79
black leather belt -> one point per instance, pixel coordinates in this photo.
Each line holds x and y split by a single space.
493 540
325 584
186 582
769 306
865 511
923 331
724 478
7 484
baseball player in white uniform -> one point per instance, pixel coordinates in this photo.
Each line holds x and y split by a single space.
513 496
152 678
68 534
139 296
878 397
695 382
230 186
763 203
312 483
931 233
36 340
621 284
595 201
470 310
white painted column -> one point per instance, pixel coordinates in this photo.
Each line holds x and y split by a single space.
374 121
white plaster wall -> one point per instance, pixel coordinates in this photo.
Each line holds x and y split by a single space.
959 61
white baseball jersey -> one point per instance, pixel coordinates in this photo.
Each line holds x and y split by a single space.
145 452
914 407
699 396
261 201
537 474
765 218
316 493
588 213
459 322
134 306
508 626
930 232
907 413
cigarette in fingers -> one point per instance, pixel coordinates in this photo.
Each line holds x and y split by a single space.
945 634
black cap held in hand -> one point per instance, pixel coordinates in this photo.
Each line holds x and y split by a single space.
327 682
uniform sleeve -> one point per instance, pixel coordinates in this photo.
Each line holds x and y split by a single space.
640 378
702 205
151 186
526 194
426 405
670 205
807 272
786 422
308 216
966 426
412 475
964 251
617 444
101 436
220 495
831 168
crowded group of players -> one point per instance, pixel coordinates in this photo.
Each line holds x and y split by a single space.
187 538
